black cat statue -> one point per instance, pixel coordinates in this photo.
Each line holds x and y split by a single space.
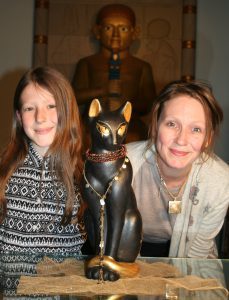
112 219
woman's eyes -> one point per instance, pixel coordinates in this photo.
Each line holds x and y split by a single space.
196 129
171 124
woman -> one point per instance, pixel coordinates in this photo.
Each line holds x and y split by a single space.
40 168
181 186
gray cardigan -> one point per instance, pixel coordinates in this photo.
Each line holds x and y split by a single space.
204 203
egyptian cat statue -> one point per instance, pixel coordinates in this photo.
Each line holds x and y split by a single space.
112 219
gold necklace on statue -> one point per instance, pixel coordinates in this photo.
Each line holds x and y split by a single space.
174 204
102 200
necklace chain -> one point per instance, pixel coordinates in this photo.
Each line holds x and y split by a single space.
102 199
115 178
166 187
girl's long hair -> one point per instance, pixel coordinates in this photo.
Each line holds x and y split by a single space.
65 151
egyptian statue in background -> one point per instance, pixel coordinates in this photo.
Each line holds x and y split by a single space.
114 75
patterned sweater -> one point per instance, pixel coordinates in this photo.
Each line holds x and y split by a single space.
35 206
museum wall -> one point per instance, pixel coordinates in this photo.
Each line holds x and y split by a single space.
212 51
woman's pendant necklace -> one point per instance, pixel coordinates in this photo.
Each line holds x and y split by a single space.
175 204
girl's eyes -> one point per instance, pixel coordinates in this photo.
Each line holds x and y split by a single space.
27 108
52 106
30 108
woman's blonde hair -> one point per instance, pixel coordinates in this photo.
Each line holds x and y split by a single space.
65 151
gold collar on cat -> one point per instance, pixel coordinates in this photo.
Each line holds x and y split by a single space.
107 156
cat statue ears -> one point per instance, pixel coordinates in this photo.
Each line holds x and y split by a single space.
95 109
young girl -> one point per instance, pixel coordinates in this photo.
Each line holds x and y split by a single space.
40 168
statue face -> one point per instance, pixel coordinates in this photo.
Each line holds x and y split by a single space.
116 33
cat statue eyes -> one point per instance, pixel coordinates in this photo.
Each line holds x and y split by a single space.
112 219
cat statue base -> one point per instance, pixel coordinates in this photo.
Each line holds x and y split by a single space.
112 219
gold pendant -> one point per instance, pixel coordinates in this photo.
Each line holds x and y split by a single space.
174 207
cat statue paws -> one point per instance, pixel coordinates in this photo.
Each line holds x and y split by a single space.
112 219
